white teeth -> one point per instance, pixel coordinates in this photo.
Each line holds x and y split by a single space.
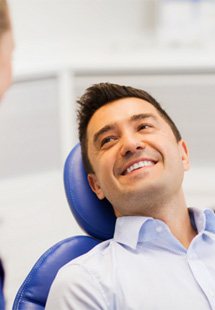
140 164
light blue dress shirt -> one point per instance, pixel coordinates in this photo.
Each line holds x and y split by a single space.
143 267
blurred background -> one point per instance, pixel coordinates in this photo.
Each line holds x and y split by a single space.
166 47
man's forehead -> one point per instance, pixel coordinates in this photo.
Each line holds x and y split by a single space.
125 108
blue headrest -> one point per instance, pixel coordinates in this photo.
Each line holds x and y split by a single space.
95 216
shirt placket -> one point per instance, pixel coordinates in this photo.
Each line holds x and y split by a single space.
202 275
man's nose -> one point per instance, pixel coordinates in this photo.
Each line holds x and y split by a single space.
130 145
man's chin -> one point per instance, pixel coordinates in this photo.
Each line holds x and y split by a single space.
140 190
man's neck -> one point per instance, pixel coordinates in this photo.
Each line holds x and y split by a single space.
176 216
182 228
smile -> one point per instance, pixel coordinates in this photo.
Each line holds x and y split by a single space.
138 165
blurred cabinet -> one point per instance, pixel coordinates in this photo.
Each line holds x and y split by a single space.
30 139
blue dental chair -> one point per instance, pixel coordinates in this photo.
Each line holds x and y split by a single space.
94 216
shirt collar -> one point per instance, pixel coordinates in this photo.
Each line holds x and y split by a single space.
129 229
204 219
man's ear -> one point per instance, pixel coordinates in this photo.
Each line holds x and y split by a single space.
184 154
95 186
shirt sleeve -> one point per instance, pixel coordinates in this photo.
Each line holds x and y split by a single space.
75 288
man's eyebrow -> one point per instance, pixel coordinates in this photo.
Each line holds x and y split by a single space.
141 116
102 131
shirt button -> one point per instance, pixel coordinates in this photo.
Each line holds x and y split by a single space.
159 228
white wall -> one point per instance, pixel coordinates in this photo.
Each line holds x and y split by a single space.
112 25
79 24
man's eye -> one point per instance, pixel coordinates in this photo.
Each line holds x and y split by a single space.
107 140
144 126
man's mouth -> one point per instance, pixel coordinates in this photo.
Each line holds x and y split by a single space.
139 165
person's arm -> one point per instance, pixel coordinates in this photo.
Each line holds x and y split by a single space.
2 303
74 288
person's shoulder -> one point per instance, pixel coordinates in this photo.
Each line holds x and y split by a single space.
81 280
90 260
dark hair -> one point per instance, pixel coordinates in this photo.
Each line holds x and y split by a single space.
100 94
4 17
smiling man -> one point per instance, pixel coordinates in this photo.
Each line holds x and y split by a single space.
162 253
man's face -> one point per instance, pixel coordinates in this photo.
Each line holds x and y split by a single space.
6 50
135 156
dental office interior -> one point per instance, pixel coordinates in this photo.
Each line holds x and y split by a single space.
166 47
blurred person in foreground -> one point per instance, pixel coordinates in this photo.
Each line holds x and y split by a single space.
162 253
6 51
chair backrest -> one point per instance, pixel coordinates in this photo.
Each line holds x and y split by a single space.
94 216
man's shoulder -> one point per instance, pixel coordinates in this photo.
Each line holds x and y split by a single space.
81 280
90 260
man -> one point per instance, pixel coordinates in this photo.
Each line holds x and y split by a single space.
6 49
162 253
